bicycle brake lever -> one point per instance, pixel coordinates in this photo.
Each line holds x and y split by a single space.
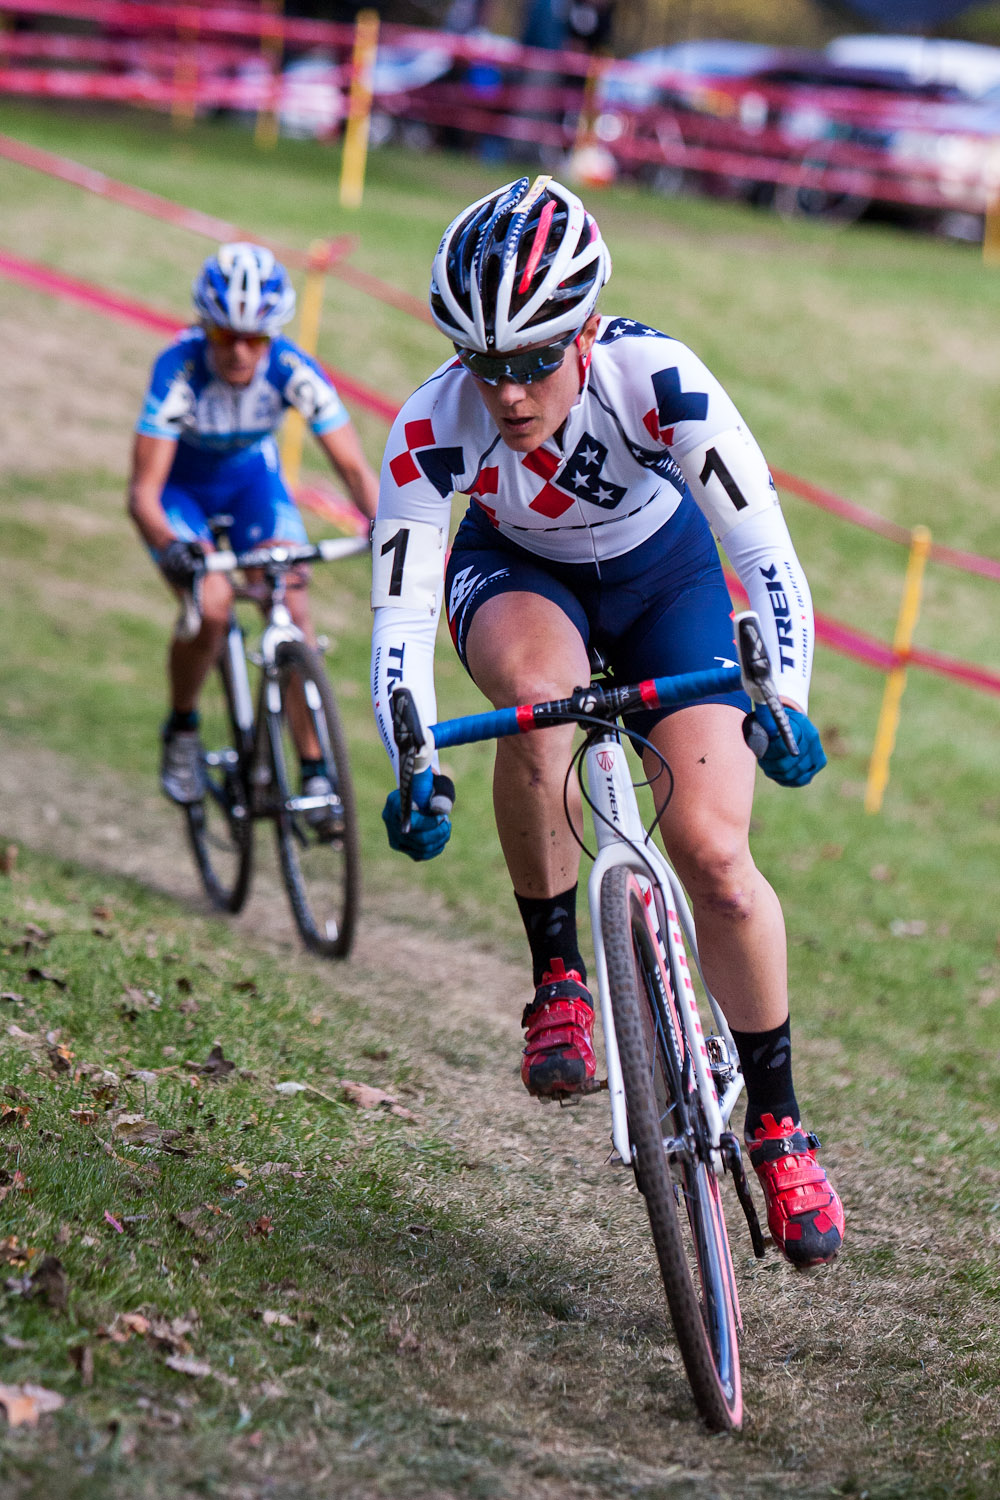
409 737
755 670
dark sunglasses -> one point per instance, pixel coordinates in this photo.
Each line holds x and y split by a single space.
523 368
226 338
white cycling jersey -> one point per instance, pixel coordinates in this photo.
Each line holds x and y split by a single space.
650 425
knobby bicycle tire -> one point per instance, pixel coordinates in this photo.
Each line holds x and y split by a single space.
219 828
682 1195
323 879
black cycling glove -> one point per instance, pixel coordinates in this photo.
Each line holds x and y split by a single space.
181 562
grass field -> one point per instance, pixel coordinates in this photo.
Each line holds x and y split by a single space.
462 1304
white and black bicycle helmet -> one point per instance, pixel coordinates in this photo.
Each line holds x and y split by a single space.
522 266
244 288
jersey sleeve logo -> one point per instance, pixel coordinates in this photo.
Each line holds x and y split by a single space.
581 479
673 406
439 465
620 328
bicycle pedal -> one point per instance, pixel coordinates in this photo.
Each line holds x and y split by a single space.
592 1086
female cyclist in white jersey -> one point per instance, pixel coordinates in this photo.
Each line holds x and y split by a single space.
599 456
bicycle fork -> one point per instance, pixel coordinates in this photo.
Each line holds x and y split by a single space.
621 839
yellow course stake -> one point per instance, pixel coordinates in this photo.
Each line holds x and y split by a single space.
183 105
265 132
991 232
308 339
888 719
359 108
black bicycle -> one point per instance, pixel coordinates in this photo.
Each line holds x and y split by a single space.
252 753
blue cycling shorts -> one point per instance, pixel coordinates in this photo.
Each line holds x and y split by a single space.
660 609
248 487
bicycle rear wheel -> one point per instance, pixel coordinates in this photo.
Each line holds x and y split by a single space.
692 1245
219 827
321 870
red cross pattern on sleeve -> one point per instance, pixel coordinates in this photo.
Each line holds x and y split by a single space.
418 435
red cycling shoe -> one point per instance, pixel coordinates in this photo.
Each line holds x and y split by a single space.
558 1056
804 1214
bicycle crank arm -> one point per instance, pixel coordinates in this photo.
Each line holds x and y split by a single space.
732 1155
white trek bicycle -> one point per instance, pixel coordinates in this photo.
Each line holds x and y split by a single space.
672 1086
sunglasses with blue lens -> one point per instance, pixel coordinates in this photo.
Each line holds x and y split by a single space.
523 367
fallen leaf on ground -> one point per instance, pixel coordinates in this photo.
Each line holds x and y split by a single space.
13 1115
366 1097
11 997
262 1227
48 1281
122 1327
134 1001
61 1057
11 1182
185 1365
45 976
13 1253
204 1222
136 1129
215 1064
24 1404
171 1333
84 1116
82 1356
275 1319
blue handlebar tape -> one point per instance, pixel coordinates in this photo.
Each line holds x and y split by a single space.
661 692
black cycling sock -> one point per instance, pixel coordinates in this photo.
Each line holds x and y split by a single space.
766 1059
180 723
312 767
551 927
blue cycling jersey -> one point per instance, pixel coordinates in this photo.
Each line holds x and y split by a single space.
215 422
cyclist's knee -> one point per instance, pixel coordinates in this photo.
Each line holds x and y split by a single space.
719 872
216 601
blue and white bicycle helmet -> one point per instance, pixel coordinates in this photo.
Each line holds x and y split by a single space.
521 266
244 288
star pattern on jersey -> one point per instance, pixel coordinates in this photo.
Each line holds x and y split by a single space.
673 405
581 479
439 465
620 328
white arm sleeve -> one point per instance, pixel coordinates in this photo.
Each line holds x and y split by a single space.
402 655
761 551
729 478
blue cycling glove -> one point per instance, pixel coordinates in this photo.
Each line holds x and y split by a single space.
430 823
775 761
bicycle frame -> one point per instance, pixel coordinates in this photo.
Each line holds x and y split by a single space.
279 629
622 840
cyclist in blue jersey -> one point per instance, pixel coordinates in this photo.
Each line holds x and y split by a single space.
204 446
600 456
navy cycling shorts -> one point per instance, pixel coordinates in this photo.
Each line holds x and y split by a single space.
248 487
660 609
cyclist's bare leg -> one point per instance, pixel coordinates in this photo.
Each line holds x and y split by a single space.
189 662
522 648
705 828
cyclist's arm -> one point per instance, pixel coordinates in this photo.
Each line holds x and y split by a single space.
342 447
151 461
726 472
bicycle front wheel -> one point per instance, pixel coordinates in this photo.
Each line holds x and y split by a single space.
671 1163
219 827
318 848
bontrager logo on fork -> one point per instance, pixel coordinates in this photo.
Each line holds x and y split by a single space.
672 1089
251 751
